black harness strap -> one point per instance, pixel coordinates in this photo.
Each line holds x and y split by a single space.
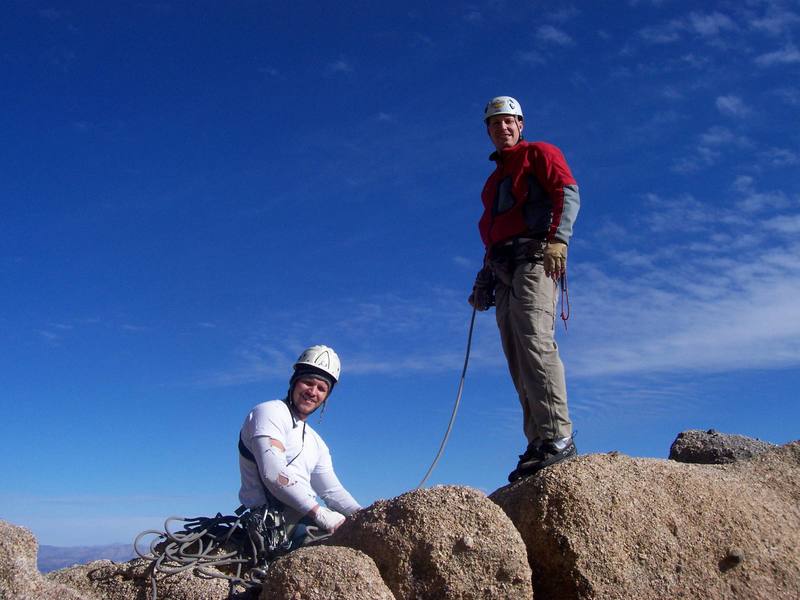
246 454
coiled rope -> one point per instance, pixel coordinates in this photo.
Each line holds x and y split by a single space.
204 542
455 406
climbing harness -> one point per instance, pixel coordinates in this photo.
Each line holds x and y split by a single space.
239 547
455 407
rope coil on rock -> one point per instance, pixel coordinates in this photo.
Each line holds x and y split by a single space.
204 543
239 548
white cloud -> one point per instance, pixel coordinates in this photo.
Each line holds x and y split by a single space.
671 93
531 57
340 66
695 61
790 96
712 144
787 55
270 71
50 337
780 157
776 21
733 106
721 136
563 14
749 200
473 16
664 34
550 34
743 183
698 288
789 224
686 304
467 263
710 25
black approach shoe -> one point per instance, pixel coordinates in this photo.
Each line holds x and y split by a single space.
552 455
545 455
527 461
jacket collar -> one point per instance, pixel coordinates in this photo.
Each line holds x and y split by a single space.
498 155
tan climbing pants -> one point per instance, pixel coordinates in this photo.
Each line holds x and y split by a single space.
526 305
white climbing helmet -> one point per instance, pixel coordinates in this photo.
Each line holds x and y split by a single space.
322 358
502 105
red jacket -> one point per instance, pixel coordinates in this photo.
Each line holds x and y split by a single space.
531 193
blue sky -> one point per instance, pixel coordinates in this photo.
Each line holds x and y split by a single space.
191 193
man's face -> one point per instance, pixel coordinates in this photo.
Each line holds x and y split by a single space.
308 393
504 130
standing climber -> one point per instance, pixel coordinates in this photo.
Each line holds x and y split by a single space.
530 202
282 458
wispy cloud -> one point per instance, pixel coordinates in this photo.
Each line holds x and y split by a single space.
717 299
789 54
473 15
661 34
530 57
464 262
712 144
732 106
707 26
269 71
698 289
386 117
341 65
372 334
710 25
563 13
553 35
779 157
777 20
788 95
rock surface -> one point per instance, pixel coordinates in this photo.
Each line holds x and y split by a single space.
714 448
611 526
131 580
596 527
19 577
446 542
325 573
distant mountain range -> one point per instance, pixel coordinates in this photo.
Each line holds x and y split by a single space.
52 558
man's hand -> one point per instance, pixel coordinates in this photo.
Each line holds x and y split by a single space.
555 259
328 519
482 296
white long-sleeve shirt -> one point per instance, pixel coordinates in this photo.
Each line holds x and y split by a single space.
295 476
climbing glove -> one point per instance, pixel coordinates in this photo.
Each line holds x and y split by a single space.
328 519
482 296
555 259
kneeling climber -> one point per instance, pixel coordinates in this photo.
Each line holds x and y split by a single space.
283 462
